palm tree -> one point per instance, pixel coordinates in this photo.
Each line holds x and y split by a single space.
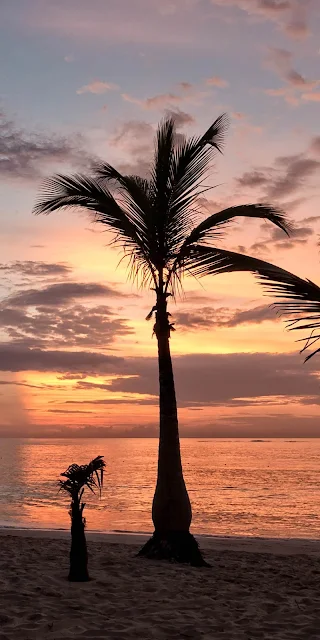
156 221
77 478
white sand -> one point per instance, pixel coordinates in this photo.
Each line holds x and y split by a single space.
256 588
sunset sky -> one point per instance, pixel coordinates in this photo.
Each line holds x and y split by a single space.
85 80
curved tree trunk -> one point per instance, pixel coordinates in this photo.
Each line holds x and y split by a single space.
171 508
78 553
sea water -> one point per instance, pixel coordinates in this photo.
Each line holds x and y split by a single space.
237 487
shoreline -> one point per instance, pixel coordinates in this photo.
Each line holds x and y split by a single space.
247 544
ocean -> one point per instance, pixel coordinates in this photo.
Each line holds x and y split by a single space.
237 487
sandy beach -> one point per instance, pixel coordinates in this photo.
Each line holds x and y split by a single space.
256 588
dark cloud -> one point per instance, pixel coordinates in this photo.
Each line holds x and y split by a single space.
36 268
256 315
186 86
67 411
270 426
133 134
315 145
62 293
310 220
288 15
298 234
220 379
26 155
297 27
196 298
273 238
202 380
22 384
273 7
72 376
52 315
58 431
288 175
280 61
257 248
134 139
296 171
295 78
252 179
241 379
181 118
209 317
22 358
76 326
115 401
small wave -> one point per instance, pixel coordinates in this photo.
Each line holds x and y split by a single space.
258 440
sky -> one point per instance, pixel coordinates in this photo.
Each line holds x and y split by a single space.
81 81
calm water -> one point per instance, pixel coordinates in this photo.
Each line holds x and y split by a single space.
237 487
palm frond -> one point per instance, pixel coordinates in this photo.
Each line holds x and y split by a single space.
80 476
210 228
160 188
299 301
138 198
215 135
189 168
127 224
265 211
135 188
205 260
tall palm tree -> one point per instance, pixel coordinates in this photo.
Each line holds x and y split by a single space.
156 221
77 479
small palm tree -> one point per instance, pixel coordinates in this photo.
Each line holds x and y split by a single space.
77 478
157 223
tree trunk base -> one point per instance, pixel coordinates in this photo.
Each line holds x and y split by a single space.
175 546
77 577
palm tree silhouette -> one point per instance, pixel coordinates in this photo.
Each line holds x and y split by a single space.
77 479
154 221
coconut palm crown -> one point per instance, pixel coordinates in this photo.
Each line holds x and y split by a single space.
158 223
78 477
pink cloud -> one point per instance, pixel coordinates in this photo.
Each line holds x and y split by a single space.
287 14
168 100
297 27
98 87
312 97
146 21
237 115
156 102
286 92
186 86
296 79
216 81
280 61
